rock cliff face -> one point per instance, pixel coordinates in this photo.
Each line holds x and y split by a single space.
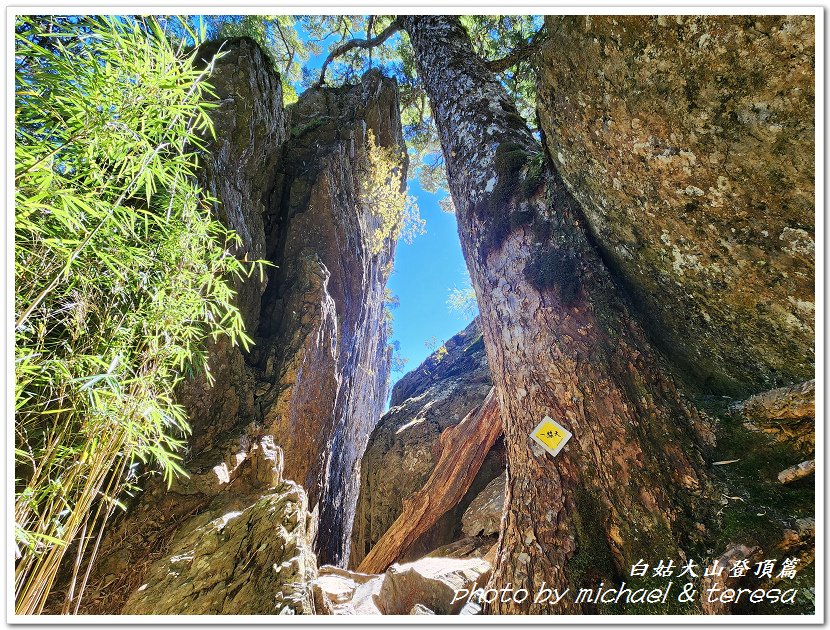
277 437
689 143
322 349
237 169
401 455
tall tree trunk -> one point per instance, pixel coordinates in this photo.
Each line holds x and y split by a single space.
560 341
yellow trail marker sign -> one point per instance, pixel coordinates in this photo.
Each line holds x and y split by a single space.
550 435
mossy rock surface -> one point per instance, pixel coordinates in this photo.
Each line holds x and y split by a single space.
689 143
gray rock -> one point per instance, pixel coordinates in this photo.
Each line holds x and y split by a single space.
483 517
431 582
402 449
689 141
237 168
424 587
346 592
420 609
253 560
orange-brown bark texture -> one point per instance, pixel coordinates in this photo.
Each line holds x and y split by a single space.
560 341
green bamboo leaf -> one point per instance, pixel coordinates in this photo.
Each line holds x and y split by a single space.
117 256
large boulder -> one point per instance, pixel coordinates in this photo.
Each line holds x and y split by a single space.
237 169
689 141
235 559
483 516
403 448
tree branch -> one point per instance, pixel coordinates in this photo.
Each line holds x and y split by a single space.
345 47
369 27
288 48
520 53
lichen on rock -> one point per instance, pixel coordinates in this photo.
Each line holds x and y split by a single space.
689 143
246 560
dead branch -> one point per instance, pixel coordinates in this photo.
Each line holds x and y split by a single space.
799 471
463 449
786 413
784 403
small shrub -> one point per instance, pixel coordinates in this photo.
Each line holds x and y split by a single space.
381 189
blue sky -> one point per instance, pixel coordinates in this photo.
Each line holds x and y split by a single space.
423 275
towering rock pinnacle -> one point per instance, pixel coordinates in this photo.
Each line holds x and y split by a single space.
322 345
277 437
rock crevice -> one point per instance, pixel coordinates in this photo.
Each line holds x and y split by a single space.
404 448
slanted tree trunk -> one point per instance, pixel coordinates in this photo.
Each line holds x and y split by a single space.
463 450
560 341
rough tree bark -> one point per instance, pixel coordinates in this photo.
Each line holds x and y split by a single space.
560 341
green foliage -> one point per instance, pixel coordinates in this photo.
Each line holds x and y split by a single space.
390 303
381 190
391 300
494 37
327 32
446 204
463 300
398 361
120 273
